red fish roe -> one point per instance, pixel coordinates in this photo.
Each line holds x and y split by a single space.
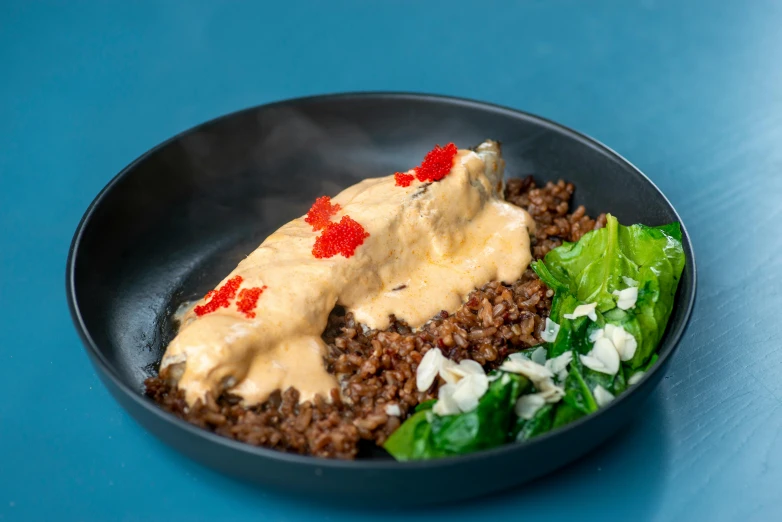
320 213
339 238
248 299
402 179
437 163
220 298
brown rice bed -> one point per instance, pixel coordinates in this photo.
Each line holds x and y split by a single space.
378 367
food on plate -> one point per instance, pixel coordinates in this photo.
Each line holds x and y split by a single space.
434 312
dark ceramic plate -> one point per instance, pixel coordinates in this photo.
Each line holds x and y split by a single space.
171 224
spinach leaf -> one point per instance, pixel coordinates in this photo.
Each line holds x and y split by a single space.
672 230
565 414
589 269
484 427
600 263
578 394
426 405
411 440
651 362
581 382
428 435
537 425
573 334
615 384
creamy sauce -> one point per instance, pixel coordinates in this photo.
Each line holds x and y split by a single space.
429 246
184 310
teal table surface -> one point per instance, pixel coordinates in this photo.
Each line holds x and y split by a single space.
691 92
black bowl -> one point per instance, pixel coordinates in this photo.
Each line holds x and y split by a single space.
171 224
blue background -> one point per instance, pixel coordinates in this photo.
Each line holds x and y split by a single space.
691 92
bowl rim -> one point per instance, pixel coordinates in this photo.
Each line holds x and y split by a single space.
665 352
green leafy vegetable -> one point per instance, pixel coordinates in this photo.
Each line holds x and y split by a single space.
537 425
573 334
578 394
426 405
646 368
565 414
428 435
581 383
651 362
411 440
602 262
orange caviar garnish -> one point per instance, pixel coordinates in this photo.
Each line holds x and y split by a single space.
437 163
402 179
320 213
220 298
248 299
339 238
